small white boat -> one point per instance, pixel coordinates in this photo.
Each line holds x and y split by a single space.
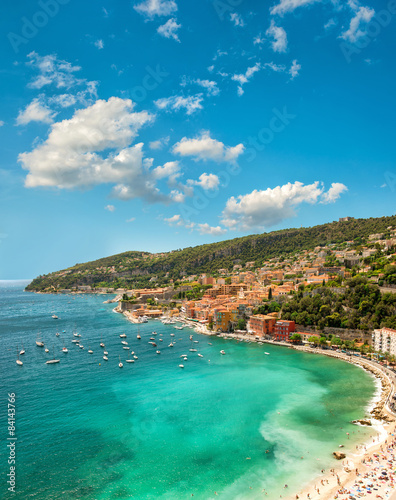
200 355
90 351
130 360
52 361
181 366
196 341
46 349
105 353
124 342
65 349
105 358
125 347
81 346
101 344
209 343
179 327
161 340
18 361
135 357
222 352
170 345
54 316
39 342
172 334
138 337
267 353
75 341
183 356
76 334
123 336
57 334
158 352
193 350
120 364
22 351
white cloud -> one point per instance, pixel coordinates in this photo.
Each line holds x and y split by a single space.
36 111
285 6
211 68
171 169
131 219
244 78
177 196
279 43
209 85
159 143
175 220
205 148
170 29
258 40
153 8
266 208
206 181
294 69
75 155
99 44
206 229
63 100
54 71
363 16
278 68
1 123
110 208
330 23
191 103
334 192
237 19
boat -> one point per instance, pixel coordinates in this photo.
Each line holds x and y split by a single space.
267 353
130 360
124 342
193 350
57 334
54 316
101 342
152 338
120 364
76 334
135 357
75 341
81 346
179 327
46 349
181 366
161 340
18 361
39 342
123 336
138 337
200 355
64 350
196 341
105 358
222 352
158 352
22 351
125 347
53 360
209 343
172 334
90 351
170 345
153 333
105 353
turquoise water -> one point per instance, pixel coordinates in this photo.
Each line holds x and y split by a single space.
235 425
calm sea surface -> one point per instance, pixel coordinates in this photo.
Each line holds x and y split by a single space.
225 427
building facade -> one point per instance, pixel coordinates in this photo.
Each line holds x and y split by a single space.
384 340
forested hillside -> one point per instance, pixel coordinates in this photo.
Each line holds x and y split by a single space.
135 268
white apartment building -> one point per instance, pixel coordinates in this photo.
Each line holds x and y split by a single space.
384 340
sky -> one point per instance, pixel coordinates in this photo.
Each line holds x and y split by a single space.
160 124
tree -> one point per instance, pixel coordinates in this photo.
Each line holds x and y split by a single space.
241 325
295 338
270 294
313 339
323 341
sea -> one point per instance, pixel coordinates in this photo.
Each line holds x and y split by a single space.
242 425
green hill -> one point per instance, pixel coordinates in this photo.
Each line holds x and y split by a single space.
135 268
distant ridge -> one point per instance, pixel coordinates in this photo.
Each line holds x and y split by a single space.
135 268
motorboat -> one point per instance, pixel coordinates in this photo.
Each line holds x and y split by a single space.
123 336
130 360
22 351
124 342
181 366
222 352
54 316
200 355
120 364
64 349
105 353
158 352
105 358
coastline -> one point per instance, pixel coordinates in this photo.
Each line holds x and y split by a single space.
340 481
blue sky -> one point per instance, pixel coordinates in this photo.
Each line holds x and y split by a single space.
160 124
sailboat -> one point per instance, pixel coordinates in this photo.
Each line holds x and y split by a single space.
39 342
101 342
18 361
90 351
138 335
46 349
53 360
123 336
64 349
22 351
120 364
57 334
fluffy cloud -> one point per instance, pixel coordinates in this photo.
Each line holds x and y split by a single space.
159 143
334 192
152 8
205 148
363 16
170 29
294 69
206 229
36 111
191 103
171 169
279 43
209 85
110 208
285 6
1 123
266 208
206 181
175 220
237 19
244 78
57 72
99 44
75 155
